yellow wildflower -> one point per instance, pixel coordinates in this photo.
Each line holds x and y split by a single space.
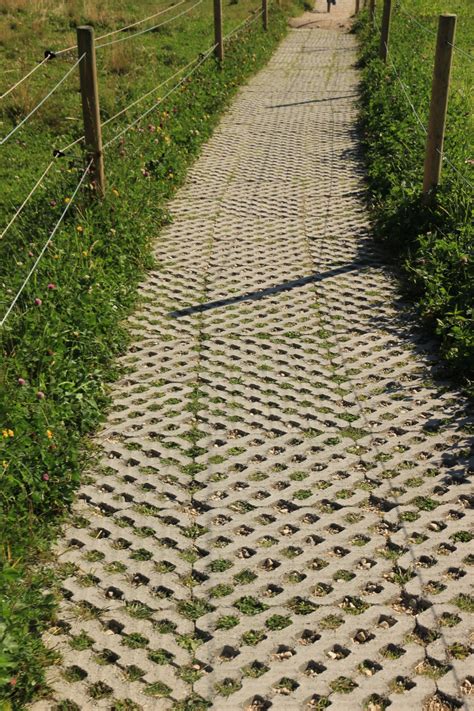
79 228
49 434
67 200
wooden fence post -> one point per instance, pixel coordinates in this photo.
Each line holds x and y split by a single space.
384 35
357 8
265 14
372 12
439 102
218 36
90 105
329 5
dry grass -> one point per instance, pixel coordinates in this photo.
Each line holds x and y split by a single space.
11 7
120 59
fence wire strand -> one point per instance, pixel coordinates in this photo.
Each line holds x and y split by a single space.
455 168
433 33
422 125
160 101
30 194
46 245
32 71
60 52
405 91
247 21
140 22
152 91
149 29
45 98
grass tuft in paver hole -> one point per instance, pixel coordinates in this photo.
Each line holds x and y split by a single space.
135 640
227 622
286 686
220 565
343 685
191 673
99 690
375 702
459 651
331 622
74 673
249 605
318 703
432 668
195 609
67 705
160 656
157 689
449 619
255 669
192 703
245 577
139 610
278 622
301 606
228 686
221 590
125 705
464 602
133 673
81 641
253 637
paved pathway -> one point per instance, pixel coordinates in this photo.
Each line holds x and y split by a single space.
279 511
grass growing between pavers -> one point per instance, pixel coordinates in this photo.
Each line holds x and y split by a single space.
58 346
436 242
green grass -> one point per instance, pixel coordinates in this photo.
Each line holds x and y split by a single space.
63 349
434 242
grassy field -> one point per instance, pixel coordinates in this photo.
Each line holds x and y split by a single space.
57 347
436 244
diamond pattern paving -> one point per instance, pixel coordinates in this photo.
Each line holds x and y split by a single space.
278 515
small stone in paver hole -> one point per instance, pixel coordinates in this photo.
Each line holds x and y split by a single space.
468 686
258 704
362 636
284 653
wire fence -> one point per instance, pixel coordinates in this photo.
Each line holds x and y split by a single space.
52 54
406 90
184 74
46 244
43 100
150 29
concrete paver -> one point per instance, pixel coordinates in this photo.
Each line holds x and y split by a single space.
278 517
